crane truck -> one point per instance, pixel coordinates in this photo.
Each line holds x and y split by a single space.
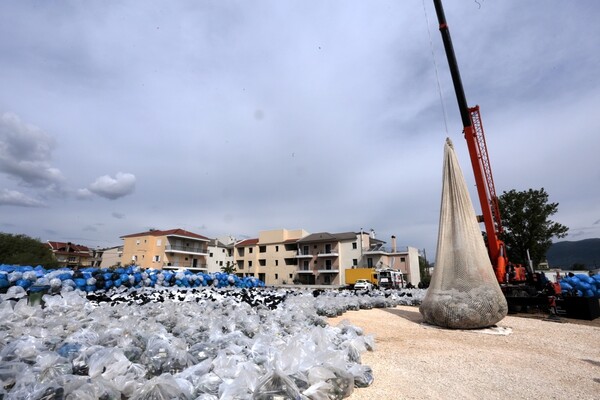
518 283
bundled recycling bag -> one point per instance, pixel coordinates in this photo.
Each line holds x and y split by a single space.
464 292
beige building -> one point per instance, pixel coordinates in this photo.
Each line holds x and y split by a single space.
405 259
111 256
220 253
324 258
171 249
284 256
271 257
71 255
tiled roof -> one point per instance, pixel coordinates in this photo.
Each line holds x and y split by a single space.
247 242
327 237
170 232
67 247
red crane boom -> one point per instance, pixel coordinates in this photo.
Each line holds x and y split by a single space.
474 135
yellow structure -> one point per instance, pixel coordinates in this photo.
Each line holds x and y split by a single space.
171 249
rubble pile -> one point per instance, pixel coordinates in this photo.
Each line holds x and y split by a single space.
185 343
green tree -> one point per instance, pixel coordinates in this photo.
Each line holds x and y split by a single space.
229 268
24 250
424 268
525 218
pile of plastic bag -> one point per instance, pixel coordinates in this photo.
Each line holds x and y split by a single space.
94 279
206 344
581 285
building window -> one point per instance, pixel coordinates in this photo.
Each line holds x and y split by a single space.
370 262
354 262
137 242
276 248
249 249
262 262
306 265
327 264
291 276
262 249
159 242
402 259
220 263
210 254
276 263
276 276
156 259
354 245
249 264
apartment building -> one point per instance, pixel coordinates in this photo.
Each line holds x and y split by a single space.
271 257
166 249
220 253
405 259
71 255
111 256
323 257
245 258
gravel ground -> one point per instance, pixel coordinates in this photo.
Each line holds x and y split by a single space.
538 360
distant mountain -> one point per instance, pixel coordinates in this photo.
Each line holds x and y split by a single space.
583 252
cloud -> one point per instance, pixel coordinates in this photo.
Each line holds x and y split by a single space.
597 222
15 198
113 188
83 194
118 215
25 153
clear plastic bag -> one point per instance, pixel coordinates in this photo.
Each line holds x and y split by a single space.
276 385
336 383
363 375
164 387
108 363
49 366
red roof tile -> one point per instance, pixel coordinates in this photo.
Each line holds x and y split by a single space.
170 232
247 242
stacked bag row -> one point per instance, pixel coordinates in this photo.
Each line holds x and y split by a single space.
90 279
581 285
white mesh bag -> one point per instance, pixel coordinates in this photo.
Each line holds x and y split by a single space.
463 293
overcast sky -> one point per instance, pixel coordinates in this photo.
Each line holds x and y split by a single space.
232 117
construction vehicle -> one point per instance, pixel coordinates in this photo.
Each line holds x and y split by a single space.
390 279
520 285
354 274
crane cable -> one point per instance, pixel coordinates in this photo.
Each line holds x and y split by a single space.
437 76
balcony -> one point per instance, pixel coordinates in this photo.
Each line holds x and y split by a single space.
201 251
303 254
380 249
328 253
184 266
307 271
328 270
